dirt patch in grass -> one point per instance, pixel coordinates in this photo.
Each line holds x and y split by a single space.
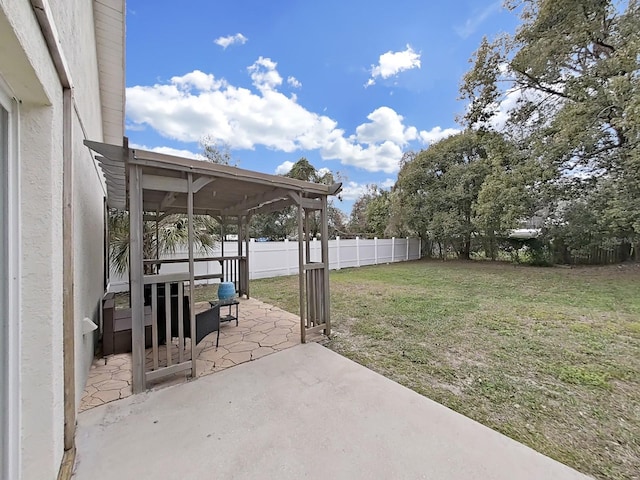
547 356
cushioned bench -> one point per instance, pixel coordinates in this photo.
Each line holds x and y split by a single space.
117 325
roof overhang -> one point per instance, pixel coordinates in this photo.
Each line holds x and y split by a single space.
219 190
109 18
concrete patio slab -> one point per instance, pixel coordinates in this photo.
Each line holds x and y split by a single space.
305 412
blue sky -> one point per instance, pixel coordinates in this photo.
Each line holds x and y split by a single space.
348 84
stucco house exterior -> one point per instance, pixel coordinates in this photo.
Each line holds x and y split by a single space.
61 82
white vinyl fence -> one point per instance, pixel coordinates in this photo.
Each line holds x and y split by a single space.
274 259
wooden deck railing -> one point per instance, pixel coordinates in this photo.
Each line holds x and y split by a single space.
232 269
316 308
162 329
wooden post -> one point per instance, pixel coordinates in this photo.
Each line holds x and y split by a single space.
68 311
325 260
312 314
156 268
192 320
301 275
307 240
223 220
240 235
136 286
240 267
246 253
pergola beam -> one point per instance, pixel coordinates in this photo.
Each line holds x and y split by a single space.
164 184
254 200
273 207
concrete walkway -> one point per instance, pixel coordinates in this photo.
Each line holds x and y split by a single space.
305 412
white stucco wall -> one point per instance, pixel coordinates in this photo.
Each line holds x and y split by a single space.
75 24
31 76
26 66
88 216
41 375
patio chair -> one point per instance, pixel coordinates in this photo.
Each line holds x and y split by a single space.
208 322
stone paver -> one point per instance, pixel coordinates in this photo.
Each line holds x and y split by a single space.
238 357
261 352
262 330
111 385
255 337
108 395
243 347
272 341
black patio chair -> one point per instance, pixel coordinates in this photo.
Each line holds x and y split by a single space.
207 322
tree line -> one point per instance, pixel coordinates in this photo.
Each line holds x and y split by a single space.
565 159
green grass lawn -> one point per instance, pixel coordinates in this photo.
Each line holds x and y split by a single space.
547 356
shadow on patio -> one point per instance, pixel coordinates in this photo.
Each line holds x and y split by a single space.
262 329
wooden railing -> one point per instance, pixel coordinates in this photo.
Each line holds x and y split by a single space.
316 313
162 325
232 269
171 319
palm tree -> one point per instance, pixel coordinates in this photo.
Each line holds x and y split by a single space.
172 232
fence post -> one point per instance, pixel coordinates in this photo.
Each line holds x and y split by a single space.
419 248
357 251
407 248
393 249
375 250
251 249
314 250
338 253
286 255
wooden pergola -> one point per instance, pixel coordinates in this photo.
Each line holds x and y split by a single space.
143 182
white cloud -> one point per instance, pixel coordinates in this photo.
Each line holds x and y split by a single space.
502 111
224 42
134 128
392 63
284 168
169 151
354 190
198 80
264 74
388 183
385 124
197 104
294 82
472 23
436 134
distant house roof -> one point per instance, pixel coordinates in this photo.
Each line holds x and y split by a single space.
524 233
